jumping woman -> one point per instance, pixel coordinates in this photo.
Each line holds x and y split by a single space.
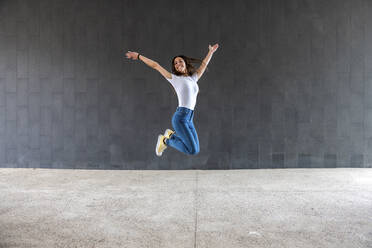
184 78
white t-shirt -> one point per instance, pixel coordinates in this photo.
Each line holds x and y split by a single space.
186 88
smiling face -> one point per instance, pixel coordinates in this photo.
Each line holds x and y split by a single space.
180 65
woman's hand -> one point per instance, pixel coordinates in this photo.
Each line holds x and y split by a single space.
132 55
213 48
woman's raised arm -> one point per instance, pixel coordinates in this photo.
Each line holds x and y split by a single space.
206 60
149 62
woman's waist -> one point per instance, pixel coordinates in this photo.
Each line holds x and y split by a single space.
184 110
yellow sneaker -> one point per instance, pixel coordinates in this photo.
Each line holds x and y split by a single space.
168 133
160 146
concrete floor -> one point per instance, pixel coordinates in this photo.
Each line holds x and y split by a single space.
134 209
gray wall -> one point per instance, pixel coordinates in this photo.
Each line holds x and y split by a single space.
290 85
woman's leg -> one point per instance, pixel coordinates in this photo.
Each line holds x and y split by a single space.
195 136
183 140
193 130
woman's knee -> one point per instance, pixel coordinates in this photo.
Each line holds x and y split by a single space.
195 150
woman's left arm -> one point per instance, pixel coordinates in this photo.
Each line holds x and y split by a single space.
206 60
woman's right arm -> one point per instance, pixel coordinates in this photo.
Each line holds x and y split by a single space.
149 62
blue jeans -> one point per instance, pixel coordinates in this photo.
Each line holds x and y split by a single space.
185 139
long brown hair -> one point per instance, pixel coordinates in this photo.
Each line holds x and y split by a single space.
189 67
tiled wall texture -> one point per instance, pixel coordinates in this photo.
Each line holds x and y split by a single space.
290 85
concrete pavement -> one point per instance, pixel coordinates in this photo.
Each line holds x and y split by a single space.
304 208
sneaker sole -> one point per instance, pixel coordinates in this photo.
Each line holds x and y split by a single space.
157 145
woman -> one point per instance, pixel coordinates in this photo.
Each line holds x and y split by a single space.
184 80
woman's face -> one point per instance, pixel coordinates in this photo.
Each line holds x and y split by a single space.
180 65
